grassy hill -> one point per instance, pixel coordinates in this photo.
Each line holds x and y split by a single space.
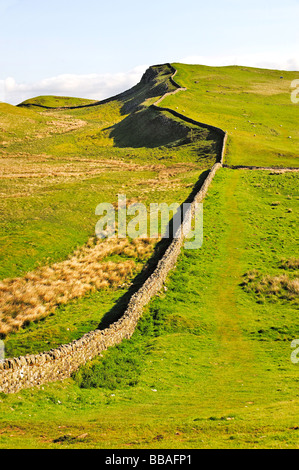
55 102
253 105
209 364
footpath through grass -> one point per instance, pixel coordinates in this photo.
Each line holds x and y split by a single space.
209 364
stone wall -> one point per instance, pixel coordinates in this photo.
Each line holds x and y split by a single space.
58 364
269 168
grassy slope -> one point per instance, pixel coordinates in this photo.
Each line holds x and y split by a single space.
213 365
253 105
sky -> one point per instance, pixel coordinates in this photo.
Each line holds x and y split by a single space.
95 49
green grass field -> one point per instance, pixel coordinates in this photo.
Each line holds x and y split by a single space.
209 363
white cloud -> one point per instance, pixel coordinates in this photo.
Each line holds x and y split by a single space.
93 86
261 60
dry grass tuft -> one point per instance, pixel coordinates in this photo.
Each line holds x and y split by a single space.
39 292
281 286
291 263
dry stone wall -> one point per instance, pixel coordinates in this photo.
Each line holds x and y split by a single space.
58 364
269 168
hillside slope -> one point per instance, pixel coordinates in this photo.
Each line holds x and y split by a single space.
253 105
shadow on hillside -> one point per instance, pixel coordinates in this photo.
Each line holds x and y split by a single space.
117 311
133 99
154 83
149 128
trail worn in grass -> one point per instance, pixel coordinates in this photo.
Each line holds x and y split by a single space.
234 364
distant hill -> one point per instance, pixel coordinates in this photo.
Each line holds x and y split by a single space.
55 102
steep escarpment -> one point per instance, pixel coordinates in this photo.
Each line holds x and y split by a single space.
155 81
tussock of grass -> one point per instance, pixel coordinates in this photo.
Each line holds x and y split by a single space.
281 286
291 263
38 293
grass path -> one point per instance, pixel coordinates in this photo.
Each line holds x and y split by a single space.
234 350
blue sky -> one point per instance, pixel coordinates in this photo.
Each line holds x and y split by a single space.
95 48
